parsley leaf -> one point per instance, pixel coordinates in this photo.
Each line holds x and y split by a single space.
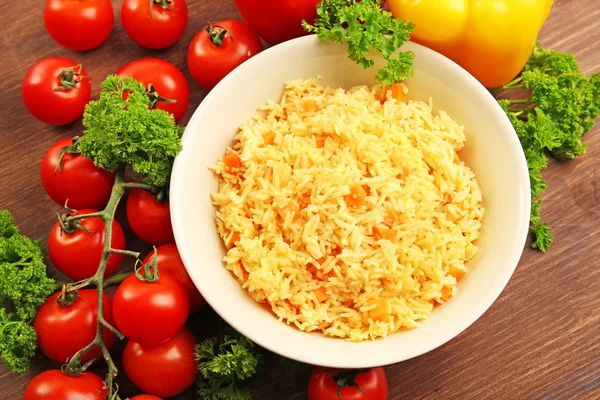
364 26
551 105
24 286
225 365
120 130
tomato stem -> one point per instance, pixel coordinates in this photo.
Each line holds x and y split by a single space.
74 367
154 98
161 3
217 34
68 78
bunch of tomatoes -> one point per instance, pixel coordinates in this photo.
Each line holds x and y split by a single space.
149 307
56 89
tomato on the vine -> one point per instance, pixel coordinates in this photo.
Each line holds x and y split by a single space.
63 329
335 384
54 385
151 308
79 25
74 180
169 89
155 24
55 90
149 218
169 261
78 254
165 370
220 47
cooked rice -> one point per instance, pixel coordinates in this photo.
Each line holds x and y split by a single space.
299 230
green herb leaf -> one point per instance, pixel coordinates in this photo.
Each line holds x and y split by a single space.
120 130
24 286
556 108
364 26
225 366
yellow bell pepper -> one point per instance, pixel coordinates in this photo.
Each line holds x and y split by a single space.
492 39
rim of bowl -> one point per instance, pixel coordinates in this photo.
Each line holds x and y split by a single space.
297 354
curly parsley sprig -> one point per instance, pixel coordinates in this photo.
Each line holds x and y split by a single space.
364 26
120 130
24 286
551 105
225 364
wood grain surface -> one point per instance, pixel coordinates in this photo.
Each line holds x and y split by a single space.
540 339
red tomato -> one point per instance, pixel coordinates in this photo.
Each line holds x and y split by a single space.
78 254
165 370
149 219
76 179
169 261
64 330
55 90
156 24
220 47
278 20
55 385
79 25
168 82
145 397
148 312
325 382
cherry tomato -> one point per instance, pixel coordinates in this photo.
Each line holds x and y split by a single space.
156 24
150 312
64 330
169 261
278 20
166 79
149 219
78 254
165 370
325 382
145 397
74 180
55 385
55 90
220 47
79 25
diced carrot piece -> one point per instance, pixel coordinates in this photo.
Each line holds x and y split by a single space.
232 160
336 251
309 106
357 195
384 233
322 260
234 238
446 292
380 312
456 273
367 189
320 142
321 294
269 137
398 92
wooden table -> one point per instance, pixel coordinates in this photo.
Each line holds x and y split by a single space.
540 339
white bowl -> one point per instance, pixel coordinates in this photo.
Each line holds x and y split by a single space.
493 151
